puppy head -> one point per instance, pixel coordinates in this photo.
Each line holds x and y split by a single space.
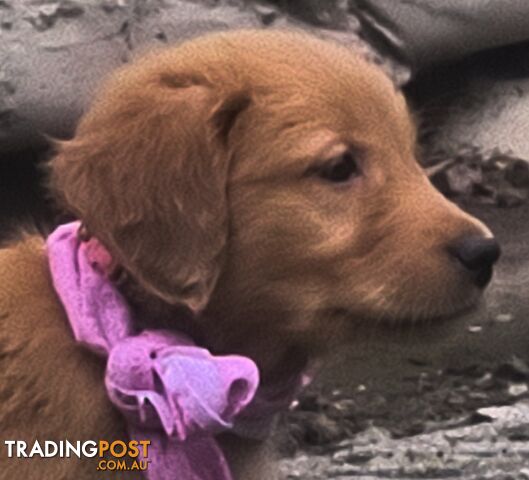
272 178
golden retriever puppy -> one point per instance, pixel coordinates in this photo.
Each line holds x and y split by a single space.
256 190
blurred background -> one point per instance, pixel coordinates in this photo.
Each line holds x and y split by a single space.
445 401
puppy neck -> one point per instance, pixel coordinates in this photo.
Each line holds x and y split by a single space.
279 357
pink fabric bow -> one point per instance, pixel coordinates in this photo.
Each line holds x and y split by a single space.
172 392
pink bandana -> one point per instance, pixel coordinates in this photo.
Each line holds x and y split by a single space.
171 392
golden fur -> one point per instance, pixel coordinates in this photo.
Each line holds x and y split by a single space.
197 168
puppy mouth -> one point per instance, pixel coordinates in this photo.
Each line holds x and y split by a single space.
404 321
454 315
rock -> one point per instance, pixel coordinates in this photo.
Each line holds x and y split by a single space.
485 381
517 389
474 328
54 54
463 177
372 435
524 473
332 14
342 408
509 197
352 456
504 318
517 173
318 429
515 370
266 13
310 402
494 178
455 399
508 416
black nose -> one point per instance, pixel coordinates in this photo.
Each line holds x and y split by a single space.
478 255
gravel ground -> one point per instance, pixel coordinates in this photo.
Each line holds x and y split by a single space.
496 449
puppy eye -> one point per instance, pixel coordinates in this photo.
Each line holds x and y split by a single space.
340 169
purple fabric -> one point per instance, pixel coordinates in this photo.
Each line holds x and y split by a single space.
172 392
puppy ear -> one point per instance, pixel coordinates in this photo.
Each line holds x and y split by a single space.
147 174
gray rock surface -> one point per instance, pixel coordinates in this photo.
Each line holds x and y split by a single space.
474 120
54 53
498 450
426 32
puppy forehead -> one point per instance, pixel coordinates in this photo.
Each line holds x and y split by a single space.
323 74
294 67
321 107
350 101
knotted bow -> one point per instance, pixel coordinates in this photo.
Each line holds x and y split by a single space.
172 392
